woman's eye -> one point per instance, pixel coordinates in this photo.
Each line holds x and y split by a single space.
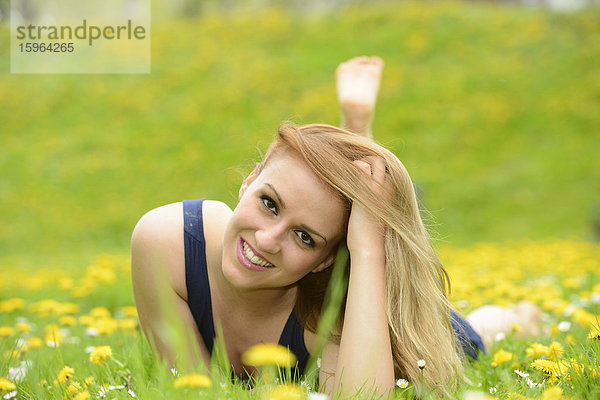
269 204
305 238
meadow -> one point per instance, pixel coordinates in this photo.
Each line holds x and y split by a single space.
76 335
493 109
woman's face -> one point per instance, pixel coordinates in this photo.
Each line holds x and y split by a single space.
287 224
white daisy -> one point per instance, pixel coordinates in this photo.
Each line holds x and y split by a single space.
532 384
92 331
317 396
564 326
402 383
521 373
10 395
17 374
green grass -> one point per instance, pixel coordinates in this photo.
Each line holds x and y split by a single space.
492 109
557 275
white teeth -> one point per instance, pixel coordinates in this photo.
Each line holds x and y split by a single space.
254 258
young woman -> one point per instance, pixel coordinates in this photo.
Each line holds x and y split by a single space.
260 271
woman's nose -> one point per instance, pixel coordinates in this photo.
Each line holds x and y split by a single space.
268 239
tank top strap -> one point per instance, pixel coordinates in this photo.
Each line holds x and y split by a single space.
196 273
292 337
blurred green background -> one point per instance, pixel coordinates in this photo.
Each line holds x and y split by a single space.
495 111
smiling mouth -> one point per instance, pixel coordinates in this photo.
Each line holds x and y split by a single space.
253 258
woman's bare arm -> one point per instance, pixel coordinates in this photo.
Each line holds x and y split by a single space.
158 276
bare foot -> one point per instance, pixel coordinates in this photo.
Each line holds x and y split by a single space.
357 87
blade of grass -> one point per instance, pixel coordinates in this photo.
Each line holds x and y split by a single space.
336 291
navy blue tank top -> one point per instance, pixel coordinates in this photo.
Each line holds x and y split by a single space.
198 288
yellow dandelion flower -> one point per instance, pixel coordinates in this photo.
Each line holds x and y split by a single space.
73 388
269 354
34 342
100 354
23 327
53 336
105 326
85 395
502 356
129 311
67 320
552 393
555 350
192 381
584 318
66 283
100 312
287 392
517 328
81 291
6 331
11 305
127 323
5 384
553 368
89 381
65 374
570 339
67 308
537 350
571 282
578 368
594 333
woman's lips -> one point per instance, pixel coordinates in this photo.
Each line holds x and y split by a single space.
245 261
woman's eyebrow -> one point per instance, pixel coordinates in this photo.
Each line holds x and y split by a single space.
306 228
276 195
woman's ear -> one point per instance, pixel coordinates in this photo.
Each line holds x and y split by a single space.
248 181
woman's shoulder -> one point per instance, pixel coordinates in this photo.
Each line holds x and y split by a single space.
214 209
158 235
159 220
169 218
215 215
157 245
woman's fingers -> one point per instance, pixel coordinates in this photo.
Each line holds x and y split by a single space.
378 170
363 166
375 168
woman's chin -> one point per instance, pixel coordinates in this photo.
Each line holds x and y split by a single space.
237 276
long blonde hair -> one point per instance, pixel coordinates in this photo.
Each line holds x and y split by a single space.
418 309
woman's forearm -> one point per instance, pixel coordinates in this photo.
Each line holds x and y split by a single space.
365 353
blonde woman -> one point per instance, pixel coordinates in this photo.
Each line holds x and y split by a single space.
260 270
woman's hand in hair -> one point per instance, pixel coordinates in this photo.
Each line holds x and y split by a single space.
366 233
